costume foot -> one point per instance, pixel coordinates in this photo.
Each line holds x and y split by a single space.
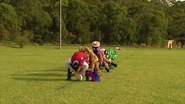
69 74
86 75
68 79
114 64
108 70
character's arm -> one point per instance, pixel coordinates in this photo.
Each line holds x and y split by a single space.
80 67
78 71
101 57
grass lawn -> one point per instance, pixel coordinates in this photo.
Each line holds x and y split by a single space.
36 75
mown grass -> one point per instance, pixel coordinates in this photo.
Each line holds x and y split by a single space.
36 75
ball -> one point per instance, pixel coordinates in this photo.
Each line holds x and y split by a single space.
79 77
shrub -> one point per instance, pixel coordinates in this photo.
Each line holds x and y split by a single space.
149 41
21 41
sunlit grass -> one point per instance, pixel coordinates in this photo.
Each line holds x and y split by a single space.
36 75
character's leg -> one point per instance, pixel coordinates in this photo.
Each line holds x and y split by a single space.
107 61
86 75
69 74
90 73
114 64
96 76
110 62
92 65
97 68
70 69
84 68
101 65
106 67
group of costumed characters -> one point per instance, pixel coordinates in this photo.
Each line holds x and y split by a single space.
89 62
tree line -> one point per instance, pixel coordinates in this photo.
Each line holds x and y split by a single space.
121 22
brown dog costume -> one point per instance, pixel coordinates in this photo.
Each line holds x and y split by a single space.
92 58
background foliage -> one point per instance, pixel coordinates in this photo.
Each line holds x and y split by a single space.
123 22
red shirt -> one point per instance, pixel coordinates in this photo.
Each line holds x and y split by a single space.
80 57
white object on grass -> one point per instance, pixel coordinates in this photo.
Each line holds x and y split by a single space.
79 77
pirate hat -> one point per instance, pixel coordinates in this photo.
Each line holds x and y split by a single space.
96 44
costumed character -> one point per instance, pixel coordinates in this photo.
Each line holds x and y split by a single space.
107 62
110 55
96 50
93 61
102 56
79 63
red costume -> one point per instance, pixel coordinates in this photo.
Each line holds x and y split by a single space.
79 57
77 62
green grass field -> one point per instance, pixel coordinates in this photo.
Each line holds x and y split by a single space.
36 75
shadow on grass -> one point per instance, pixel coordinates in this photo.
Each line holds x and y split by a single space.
66 85
69 83
41 75
62 69
13 46
37 79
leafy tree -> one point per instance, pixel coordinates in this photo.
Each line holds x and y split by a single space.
77 23
109 21
4 1
177 19
151 21
92 2
114 24
9 22
33 17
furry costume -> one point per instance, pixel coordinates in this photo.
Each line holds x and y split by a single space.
92 58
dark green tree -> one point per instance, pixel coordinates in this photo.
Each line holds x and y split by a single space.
33 18
9 22
151 21
177 21
78 14
115 25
